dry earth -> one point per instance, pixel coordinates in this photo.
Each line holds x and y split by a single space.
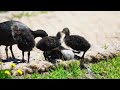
100 28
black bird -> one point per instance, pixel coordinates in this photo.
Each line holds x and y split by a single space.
48 43
24 38
77 43
54 54
6 37
39 33
61 53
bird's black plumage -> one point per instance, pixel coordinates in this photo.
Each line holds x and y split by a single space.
61 53
24 38
6 37
48 43
76 42
54 54
39 33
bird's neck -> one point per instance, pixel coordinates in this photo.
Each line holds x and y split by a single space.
63 44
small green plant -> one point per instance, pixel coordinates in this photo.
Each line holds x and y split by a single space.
5 74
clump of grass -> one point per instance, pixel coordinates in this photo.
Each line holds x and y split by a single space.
60 72
107 69
5 74
28 14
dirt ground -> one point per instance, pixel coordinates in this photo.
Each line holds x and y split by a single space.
100 28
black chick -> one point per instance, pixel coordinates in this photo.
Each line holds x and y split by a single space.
48 43
24 38
77 43
60 53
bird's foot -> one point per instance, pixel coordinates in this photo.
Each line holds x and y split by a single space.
77 57
9 59
28 62
52 60
15 60
23 61
83 66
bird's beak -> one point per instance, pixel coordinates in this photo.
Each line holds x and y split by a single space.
62 31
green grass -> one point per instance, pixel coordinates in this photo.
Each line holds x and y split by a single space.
61 72
3 11
108 69
25 14
28 14
3 75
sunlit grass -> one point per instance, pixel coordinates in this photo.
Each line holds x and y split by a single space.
61 72
108 69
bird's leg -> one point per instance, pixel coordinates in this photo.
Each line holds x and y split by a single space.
50 56
77 57
45 55
6 50
62 58
28 56
83 54
82 66
23 57
12 52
